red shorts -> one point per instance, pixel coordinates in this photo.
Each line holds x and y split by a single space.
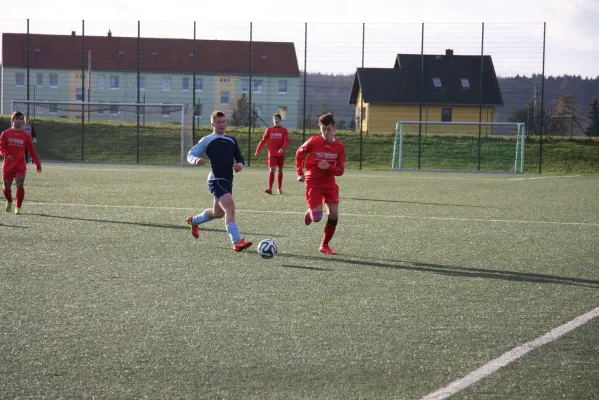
316 195
7 175
276 161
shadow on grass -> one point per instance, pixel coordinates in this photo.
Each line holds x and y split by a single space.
424 203
458 271
168 226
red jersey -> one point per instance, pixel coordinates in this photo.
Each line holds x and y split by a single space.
320 150
277 137
14 143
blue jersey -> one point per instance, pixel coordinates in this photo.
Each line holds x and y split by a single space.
221 151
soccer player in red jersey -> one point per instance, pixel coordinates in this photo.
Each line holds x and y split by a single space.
278 139
13 144
325 160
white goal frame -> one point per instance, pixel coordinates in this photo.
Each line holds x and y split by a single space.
91 104
397 160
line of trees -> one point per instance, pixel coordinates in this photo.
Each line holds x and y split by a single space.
565 119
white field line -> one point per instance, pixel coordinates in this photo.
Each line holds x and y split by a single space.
543 177
512 355
510 221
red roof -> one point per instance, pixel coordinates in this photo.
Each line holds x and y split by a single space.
156 54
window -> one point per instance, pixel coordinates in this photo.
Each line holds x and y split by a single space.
79 94
258 110
199 84
258 86
53 80
142 83
437 82
283 112
185 83
114 81
114 109
224 98
166 83
465 83
165 110
20 78
101 81
446 114
39 79
282 87
53 109
245 85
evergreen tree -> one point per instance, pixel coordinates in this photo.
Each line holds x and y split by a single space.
593 128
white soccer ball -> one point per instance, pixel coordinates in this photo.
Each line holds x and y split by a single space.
267 248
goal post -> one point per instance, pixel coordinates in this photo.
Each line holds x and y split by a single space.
160 123
459 146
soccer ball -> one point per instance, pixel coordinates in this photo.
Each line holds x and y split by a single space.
267 248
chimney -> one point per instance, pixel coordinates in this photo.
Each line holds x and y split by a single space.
72 33
109 33
449 52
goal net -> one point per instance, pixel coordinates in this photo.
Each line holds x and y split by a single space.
150 133
459 146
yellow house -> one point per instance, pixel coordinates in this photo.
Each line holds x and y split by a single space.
440 88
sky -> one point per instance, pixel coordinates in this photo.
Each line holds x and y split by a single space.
513 29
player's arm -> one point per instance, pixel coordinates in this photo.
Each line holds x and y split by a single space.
300 158
285 142
262 142
238 157
194 155
339 168
3 146
33 153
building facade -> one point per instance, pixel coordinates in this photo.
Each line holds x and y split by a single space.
212 75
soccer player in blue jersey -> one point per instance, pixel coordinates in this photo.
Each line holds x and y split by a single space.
221 151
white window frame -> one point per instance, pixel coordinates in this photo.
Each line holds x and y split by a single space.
285 82
257 85
437 82
245 85
39 79
20 79
142 82
79 93
50 75
115 82
228 97
166 83
185 81
465 83
101 79
199 84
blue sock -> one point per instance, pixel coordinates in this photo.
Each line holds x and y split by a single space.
201 218
233 231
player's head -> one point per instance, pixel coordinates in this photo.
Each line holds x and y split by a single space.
218 120
276 119
17 119
327 126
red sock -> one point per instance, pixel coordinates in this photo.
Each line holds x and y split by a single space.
271 179
280 180
20 197
329 230
7 194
